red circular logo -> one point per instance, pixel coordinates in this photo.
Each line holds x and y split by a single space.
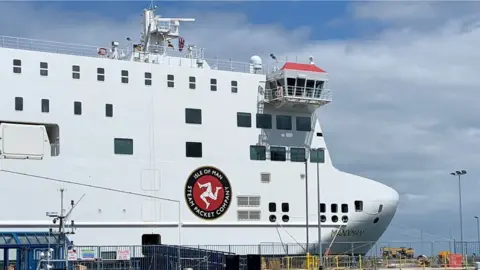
208 193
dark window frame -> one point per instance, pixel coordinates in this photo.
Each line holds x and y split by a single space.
263 120
302 126
258 152
358 206
45 105
344 208
278 153
19 104
193 116
77 108
170 80
323 208
108 110
334 208
285 207
234 86
283 122
148 78
298 156
317 155
190 146
100 74
272 207
213 84
244 119
116 146
192 82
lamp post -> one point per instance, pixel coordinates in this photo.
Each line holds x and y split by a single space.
459 174
478 235
318 158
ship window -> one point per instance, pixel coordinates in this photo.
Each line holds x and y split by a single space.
285 218
76 72
317 155
193 116
358 206
43 69
124 76
170 80
258 152
77 108
17 66
234 85
45 105
323 208
244 119
213 84
191 82
108 110
264 121
297 154
285 207
148 78
303 123
334 208
18 104
335 219
272 207
380 208
323 218
284 122
344 208
278 153
100 74
193 149
123 146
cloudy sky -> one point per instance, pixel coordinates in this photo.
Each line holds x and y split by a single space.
403 74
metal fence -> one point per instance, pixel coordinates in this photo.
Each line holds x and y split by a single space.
272 256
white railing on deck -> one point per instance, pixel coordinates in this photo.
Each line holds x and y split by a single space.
126 53
307 94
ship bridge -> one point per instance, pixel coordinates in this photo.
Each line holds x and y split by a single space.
297 83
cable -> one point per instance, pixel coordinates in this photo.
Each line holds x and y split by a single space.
89 185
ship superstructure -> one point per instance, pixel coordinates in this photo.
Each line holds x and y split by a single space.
224 150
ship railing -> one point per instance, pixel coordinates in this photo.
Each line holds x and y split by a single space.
299 94
126 53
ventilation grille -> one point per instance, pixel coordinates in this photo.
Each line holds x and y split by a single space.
265 177
248 201
248 215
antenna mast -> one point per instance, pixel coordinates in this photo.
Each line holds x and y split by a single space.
62 218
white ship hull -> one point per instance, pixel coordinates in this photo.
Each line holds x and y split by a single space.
43 151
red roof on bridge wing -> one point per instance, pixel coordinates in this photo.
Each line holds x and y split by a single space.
303 67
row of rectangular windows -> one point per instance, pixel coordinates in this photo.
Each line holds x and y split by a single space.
77 106
124 78
194 150
264 121
192 116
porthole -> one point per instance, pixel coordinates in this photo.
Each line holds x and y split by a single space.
272 218
344 219
285 218
323 218
376 220
334 219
